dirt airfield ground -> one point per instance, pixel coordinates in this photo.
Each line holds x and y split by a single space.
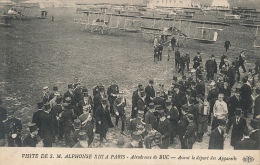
38 52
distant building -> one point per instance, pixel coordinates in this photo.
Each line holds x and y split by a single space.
220 3
169 3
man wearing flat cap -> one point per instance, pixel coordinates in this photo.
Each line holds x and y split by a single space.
150 92
32 139
239 124
255 133
165 129
103 120
13 128
191 130
257 104
220 111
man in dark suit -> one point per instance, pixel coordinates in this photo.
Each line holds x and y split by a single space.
257 104
191 130
239 125
233 103
135 98
70 94
37 118
141 103
255 134
112 92
150 92
246 143
212 97
150 118
47 127
245 95
86 103
177 59
242 60
3 116
164 128
177 96
103 120
55 111
197 60
216 140
119 108
158 100
33 138
200 88
231 73
182 125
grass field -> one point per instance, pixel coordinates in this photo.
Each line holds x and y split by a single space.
39 52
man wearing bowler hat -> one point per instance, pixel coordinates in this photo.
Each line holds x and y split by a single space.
190 134
150 92
37 117
257 104
103 120
13 128
165 129
255 133
32 139
239 125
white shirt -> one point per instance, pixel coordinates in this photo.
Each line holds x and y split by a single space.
220 110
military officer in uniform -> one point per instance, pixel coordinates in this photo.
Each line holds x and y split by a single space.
13 127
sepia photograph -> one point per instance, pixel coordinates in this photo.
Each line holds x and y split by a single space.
133 81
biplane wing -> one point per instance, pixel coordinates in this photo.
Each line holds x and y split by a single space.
205 22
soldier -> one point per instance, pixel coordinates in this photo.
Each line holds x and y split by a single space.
239 124
197 60
103 120
245 143
211 98
220 111
112 91
45 96
67 118
37 118
164 128
182 125
150 92
33 138
172 115
83 141
135 98
233 103
55 111
150 118
191 130
47 127
245 95
3 116
119 108
217 137
255 133
13 128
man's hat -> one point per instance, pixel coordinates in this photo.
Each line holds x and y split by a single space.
121 92
82 135
56 93
168 103
161 113
151 81
175 78
142 93
68 99
176 86
45 87
191 116
33 127
222 122
140 112
238 111
220 95
255 123
193 70
198 53
84 90
70 86
77 124
40 105
151 105
158 91
47 107
158 107
54 88
185 108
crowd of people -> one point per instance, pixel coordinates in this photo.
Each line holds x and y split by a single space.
158 117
